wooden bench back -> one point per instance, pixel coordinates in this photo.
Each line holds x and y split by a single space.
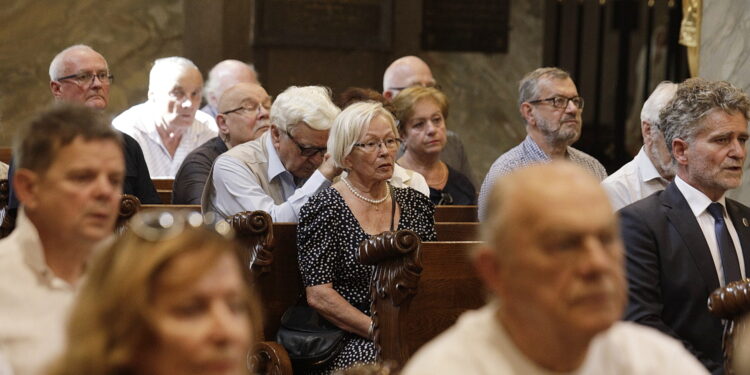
419 290
456 214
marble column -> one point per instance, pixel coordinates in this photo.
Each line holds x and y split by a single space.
725 55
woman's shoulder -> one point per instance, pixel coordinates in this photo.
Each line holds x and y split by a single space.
409 197
325 200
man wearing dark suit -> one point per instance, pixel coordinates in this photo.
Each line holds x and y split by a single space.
686 241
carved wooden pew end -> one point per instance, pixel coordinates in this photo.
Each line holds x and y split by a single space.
731 302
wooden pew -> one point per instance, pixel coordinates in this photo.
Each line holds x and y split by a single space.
164 189
419 289
255 234
457 231
6 153
456 214
731 302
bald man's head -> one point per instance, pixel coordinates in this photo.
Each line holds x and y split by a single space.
226 74
79 74
243 113
406 72
553 255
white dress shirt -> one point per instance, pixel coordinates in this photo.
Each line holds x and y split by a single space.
698 203
479 344
138 122
34 302
237 189
634 181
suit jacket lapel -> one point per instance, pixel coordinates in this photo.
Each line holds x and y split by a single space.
739 220
683 220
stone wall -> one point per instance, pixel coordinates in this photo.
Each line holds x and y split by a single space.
130 35
483 88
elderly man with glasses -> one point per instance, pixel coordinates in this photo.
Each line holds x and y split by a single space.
243 116
551 107
282 169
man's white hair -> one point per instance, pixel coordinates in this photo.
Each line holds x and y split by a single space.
57 66
663 93
168 67
310 104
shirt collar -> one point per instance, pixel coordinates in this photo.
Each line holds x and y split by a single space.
697 201
530 147
33 252
275 166
647 169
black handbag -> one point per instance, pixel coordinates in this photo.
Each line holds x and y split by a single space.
310 339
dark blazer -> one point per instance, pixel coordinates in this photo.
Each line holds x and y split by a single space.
193 173
671 272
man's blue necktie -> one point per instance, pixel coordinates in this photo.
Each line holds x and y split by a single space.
726 246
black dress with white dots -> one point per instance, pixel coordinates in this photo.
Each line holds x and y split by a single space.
328 236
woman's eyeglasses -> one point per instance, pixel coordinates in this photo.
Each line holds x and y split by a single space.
372 146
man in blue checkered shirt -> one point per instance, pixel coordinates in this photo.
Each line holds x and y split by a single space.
550 106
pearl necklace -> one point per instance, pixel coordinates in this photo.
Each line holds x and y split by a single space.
362 197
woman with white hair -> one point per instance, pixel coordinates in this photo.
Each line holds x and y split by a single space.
333 223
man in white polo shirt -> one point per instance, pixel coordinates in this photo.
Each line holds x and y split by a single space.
169 125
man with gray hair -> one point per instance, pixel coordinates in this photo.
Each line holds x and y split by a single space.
282 169
652 169
551 107
69 181
222 76
552 260
79 74
168 126
689 239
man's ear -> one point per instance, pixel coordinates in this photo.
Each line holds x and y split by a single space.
26 185
388 95
275 136
646 131
221 122
55 87
526 112
679 151
488 267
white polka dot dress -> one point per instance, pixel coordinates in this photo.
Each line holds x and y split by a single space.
328 237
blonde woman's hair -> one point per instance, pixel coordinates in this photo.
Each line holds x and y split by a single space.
351 124
112 321
404 102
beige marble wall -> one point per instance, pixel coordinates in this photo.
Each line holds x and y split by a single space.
725 55
483 88
130 35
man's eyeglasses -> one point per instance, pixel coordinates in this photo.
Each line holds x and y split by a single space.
157 225
560 102
305 150
433 85
372 146
87 78
251 106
